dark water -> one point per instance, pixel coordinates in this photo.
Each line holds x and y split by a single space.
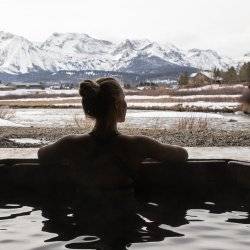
124 220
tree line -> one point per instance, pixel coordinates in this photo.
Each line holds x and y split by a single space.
231 75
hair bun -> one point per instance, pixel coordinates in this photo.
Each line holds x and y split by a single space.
88 89
99 96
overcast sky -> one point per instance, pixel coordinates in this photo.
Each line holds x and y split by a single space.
223 25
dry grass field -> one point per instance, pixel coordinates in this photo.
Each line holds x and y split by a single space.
209 98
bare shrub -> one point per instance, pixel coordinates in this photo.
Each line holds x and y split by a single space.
152 92
192 124
83 123
7 113
157 123
221 90
210 98
192 108
214 89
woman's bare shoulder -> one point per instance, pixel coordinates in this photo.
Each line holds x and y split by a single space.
74 138
61 147
66 141
136 140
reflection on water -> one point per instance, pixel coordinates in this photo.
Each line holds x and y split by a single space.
122 220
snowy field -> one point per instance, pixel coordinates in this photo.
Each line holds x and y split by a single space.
211 87
38 92
131 97
49 91
135 118
143 97
51 98
7 123
133 103
187 105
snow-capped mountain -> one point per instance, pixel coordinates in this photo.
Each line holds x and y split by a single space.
73 51
78 52
207 59
128 52
18 55
246 58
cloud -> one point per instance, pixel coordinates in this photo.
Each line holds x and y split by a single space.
217 24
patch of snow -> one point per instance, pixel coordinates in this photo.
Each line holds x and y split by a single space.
28 140
174 114
42 99
24 153
212 86
210 105
61 117
90 73
22 92
208 74
62 91
7 123
39 91
138 97
234 153
69 104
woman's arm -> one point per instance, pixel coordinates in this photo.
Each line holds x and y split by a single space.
55 152
149 148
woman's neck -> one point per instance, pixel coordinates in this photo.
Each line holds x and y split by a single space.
105 128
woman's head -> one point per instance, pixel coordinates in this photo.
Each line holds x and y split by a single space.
103 99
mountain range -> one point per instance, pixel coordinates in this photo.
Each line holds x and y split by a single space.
81 52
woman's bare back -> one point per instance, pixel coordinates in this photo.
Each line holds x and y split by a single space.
109 161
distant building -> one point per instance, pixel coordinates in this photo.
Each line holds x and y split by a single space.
204 77
4 86
22 85
147 85
56 86
62 86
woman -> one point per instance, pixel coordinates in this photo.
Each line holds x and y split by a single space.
104 157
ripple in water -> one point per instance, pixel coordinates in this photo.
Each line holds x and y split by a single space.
156 222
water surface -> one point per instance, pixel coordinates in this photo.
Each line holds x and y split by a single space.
165 221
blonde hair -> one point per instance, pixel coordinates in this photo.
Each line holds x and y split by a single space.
99 96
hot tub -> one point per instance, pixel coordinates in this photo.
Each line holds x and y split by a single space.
30 175
203 204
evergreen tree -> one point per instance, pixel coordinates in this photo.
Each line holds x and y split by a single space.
127 86
244 73
183 79
248 72
216 73
230 75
